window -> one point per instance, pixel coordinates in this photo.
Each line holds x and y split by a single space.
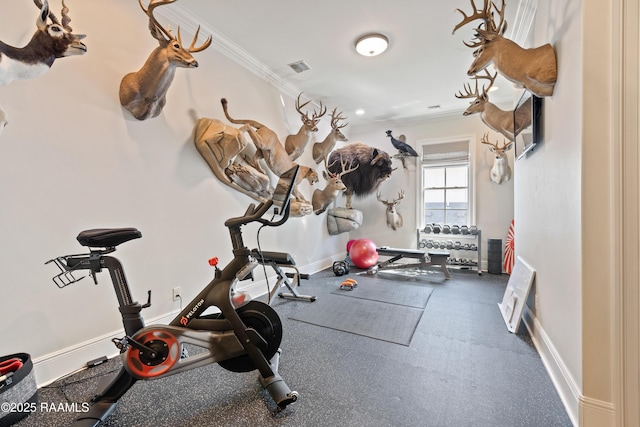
446 184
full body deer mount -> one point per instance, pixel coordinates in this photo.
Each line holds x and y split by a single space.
323 198
50 41
535 69
295 144
144 93
500 171
394 219
505 122
269 148
321 150
222 148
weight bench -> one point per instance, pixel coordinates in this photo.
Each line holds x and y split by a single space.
278 261
426 259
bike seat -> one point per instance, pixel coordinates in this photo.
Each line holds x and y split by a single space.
107 237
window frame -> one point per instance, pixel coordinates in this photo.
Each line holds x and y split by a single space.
471 141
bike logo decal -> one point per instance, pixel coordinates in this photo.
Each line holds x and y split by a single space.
185 319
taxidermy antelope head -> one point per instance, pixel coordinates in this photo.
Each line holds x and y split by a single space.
295 144
50 41
500 171
321 150
394 219
535 69
143 93
321 199
493 116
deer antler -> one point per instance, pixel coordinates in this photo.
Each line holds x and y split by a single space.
335 118
192 48
299 107
322 112
157 30
305 117
486 76
342 167
154 25
486 15
392 203
505 145
468 93
485 140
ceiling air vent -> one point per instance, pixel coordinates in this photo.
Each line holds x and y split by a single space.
299 66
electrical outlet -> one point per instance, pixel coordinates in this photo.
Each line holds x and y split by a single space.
536 302
176 293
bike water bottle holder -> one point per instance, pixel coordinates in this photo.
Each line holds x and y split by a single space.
66 276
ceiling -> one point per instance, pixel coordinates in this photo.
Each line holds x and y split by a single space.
415 79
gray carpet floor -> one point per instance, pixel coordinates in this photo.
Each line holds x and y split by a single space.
462 368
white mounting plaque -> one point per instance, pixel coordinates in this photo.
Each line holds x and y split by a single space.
515 296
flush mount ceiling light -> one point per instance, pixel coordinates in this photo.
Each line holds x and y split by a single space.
372 44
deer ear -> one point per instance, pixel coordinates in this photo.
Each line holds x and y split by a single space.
486 35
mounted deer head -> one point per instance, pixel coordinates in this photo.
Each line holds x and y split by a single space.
143 93
295 144
500 171
493 116
535 69
321 150
321 199
394 219
50 41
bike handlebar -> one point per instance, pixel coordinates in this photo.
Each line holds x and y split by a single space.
254 213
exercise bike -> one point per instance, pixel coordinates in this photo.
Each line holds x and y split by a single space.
241 337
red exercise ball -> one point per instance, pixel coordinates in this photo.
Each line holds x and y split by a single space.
363 253
349 244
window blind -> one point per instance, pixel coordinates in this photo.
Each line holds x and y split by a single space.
447 152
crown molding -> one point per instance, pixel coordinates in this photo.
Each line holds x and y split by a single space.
179 16
524 19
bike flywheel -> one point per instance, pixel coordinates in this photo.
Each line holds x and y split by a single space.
266 322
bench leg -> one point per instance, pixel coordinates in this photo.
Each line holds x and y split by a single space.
283 279
445 270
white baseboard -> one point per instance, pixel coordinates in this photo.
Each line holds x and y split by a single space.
583 411
596 413
564 383
50 367
53 366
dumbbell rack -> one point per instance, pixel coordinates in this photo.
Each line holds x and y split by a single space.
469 244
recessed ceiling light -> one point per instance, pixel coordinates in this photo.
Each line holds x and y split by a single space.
359 111
372 44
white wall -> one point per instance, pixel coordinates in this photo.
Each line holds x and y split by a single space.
494 203
548 204
72 158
